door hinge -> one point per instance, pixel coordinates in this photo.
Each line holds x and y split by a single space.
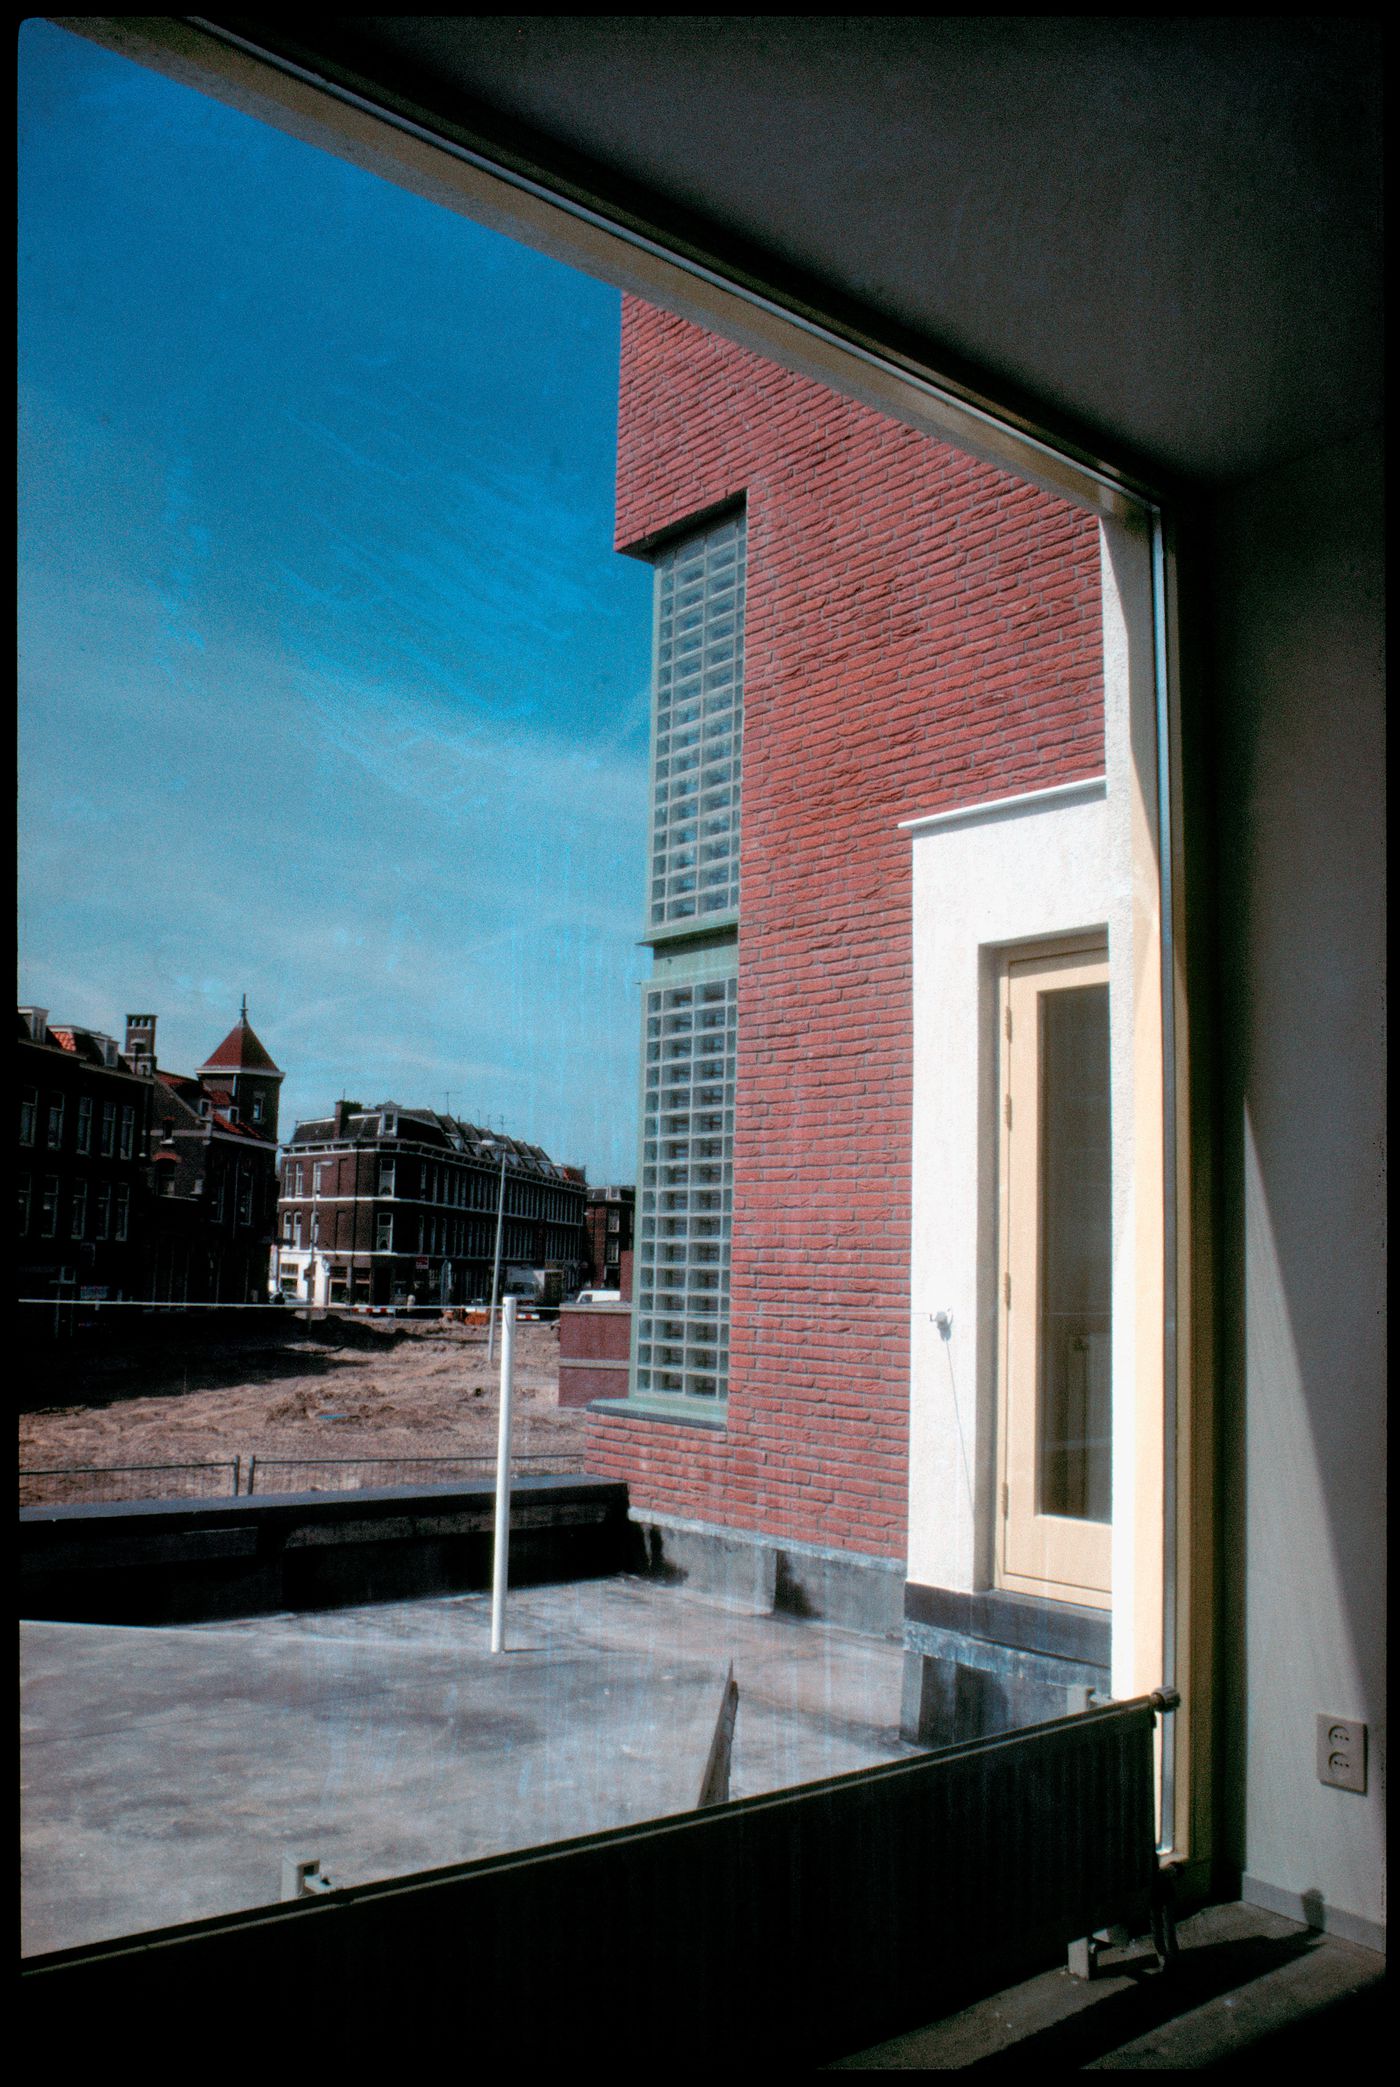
1008 1025
1006 1290
1005 1500
1008 1112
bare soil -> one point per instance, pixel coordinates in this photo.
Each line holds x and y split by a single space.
348 1388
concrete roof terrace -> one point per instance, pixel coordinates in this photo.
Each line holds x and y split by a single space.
169 1770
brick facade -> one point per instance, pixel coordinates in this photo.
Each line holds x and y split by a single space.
608 1221
391 1203
922 632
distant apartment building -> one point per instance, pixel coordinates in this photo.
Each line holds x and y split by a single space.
84 1128
141 1184
385 1204
609 1220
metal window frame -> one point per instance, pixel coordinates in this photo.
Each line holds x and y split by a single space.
446 161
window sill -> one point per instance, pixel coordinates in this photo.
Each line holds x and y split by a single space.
694 928
715 1421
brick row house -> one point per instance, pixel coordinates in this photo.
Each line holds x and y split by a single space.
84 1131
609 1222
383 1204
213 1168
878 720
139 1184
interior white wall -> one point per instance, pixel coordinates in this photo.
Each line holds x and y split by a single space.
1299 747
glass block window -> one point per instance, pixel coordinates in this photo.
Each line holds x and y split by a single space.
699 686
685 1195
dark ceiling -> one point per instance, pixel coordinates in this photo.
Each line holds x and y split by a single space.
1160 234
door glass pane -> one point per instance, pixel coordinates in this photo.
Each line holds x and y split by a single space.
1076 1280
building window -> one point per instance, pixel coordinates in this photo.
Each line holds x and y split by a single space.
24 1204
123 1211
55 1129
296 1229
301 1179
28 1114
698 678
686 1190
128 1132
1057 1278
48 1210
386 1177
245 1201
102 1216
218 1200
384 1233
257 1111
78 1210
84 1129
109 1129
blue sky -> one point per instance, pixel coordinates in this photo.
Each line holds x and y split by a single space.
332 690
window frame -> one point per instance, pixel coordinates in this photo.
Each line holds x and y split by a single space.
557 211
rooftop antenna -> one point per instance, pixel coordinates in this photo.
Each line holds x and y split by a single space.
243 1011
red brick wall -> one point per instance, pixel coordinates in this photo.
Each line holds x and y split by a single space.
588 1335
922 631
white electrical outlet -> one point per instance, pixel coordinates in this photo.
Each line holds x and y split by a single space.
1341 1753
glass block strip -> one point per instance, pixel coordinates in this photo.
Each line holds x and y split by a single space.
683 1203
699 706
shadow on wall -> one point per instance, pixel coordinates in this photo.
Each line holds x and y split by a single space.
1297 632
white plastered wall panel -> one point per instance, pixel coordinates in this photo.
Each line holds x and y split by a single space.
988 881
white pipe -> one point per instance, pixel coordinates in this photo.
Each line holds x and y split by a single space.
501 1561
496 1269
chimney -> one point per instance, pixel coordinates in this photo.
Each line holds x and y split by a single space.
344 1110
141 1043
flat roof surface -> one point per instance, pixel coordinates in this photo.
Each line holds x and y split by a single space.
168 1772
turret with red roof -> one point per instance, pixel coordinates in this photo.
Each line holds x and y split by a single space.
241 1080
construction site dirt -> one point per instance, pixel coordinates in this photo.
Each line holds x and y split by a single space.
298 1396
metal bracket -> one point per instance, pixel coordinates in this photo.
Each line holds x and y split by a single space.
1082 1957
302 1877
